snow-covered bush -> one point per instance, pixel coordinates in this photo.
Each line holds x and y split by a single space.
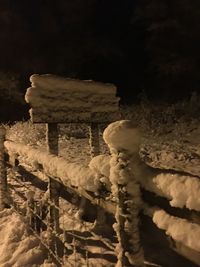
162 118
27 133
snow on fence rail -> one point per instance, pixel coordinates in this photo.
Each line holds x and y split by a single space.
69 174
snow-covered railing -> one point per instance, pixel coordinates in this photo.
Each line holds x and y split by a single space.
182 190
79 180
128 179
76 176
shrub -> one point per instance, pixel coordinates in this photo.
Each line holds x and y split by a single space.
27 133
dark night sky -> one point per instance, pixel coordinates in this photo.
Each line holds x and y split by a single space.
82 39
140 46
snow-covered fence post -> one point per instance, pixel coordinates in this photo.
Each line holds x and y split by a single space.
94 139
30 208
52 146
123 140
3 172
13 159
52 138
54 204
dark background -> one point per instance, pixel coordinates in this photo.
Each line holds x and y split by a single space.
146 48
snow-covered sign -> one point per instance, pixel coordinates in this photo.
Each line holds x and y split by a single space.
56 99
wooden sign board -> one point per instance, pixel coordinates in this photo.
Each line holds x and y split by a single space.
55 99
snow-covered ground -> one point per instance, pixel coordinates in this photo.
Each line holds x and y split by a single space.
17 247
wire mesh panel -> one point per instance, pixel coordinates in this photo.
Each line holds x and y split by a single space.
73 242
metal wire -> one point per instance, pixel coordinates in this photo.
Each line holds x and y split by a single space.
36 213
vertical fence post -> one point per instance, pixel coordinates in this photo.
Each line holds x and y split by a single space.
3 172
123 139
52 138
94 139
126 191
30 208
52 146
54 204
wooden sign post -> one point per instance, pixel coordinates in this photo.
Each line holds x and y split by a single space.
56 100
52 147
94 139
52 138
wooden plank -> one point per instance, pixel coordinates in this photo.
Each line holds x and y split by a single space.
73 117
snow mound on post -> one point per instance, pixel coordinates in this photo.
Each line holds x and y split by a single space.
122 135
